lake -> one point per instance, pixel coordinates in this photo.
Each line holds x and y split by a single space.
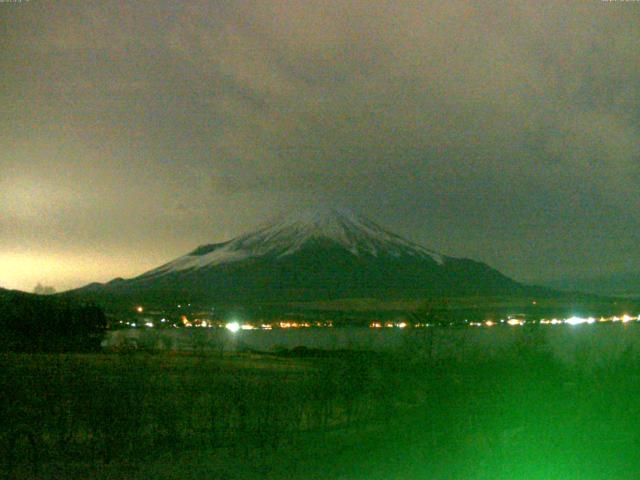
595 344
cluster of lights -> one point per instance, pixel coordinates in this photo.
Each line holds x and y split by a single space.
236 326
488 323
518 322
574 320
579 320
589 320
623 319
294 325
553 321
512 320
389 325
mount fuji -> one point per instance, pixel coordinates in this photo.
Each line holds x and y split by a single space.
315 255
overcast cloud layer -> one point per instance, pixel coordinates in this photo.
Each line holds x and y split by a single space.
130 132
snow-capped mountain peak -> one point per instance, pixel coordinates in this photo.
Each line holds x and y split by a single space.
308 255
291 233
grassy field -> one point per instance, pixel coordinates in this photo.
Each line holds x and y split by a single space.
348 415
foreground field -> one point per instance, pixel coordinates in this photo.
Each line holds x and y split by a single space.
319 415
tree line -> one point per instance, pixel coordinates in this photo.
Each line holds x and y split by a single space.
33 323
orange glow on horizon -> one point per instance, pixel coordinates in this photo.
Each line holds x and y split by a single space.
23 270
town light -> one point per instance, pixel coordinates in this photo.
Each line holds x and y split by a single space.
233 327
578 320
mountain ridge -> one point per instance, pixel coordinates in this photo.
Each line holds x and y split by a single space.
325 254
288 235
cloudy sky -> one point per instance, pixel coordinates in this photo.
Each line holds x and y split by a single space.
133 131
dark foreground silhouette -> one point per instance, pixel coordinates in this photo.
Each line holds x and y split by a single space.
38 323
519 415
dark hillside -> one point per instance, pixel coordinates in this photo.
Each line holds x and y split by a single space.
36 323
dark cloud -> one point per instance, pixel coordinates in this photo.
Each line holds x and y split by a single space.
505 131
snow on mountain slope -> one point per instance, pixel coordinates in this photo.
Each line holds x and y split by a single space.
290 234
